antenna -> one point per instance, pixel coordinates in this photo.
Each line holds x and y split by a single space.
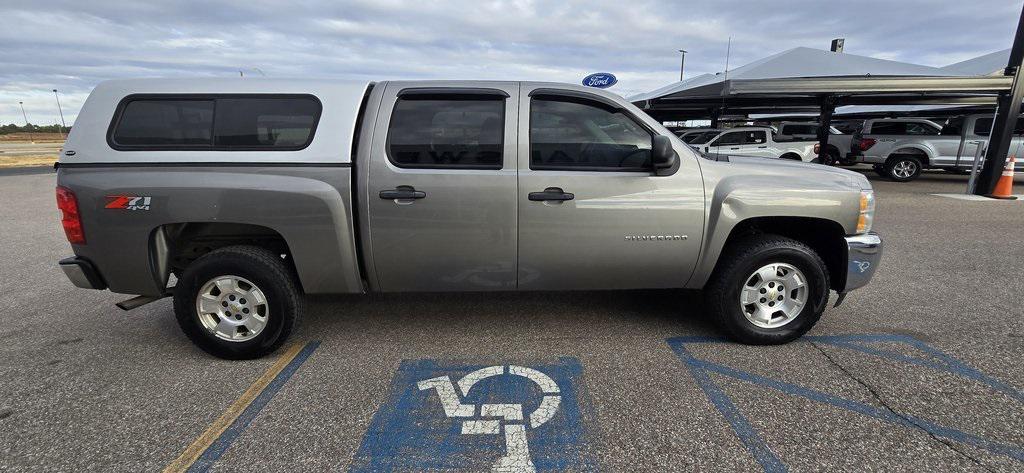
728 50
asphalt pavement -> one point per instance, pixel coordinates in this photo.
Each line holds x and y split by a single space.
921 370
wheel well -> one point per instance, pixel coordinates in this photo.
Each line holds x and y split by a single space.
177 245
791 156
921 155
825 237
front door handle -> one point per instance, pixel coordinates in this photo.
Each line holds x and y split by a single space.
402 193
551 193
761 147
734 148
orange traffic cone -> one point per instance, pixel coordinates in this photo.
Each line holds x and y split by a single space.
1004 188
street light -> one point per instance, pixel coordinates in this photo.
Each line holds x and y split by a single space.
681 62
62 124
31 136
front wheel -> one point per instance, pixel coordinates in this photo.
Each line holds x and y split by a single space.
767 290
237 302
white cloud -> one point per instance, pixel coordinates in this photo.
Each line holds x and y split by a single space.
72 45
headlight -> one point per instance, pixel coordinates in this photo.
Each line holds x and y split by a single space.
867 211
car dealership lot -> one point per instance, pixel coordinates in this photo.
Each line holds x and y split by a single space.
920 370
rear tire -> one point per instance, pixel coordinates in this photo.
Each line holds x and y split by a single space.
903 168
218 325
738 274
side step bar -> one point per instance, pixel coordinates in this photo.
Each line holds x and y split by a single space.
139 301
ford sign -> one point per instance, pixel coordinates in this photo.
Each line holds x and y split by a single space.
601 80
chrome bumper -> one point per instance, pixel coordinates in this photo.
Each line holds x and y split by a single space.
82 273
863 254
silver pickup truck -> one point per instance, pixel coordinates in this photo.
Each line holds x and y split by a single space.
759 142
900 148
238 196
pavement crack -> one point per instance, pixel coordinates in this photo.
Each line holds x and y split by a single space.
878 397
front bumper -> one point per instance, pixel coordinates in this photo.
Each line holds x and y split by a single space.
82 273
863 254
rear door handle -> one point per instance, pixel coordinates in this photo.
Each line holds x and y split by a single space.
551 193
734 148
402 193
761 147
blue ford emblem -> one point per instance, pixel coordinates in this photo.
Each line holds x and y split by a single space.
601 80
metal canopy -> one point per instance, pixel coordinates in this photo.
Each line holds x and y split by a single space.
804 94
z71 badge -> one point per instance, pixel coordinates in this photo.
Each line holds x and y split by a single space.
128 202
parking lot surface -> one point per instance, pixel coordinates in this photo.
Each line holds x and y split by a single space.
920 370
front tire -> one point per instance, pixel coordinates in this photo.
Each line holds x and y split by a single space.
238 302
744 295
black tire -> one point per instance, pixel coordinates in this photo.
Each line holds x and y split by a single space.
831 157
267 272
738 262
893 164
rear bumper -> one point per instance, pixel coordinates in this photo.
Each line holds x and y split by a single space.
864 253
82 273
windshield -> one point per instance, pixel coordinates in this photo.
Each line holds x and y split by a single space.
702 138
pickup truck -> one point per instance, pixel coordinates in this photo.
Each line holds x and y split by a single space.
900 148
838 142
759 142
239 196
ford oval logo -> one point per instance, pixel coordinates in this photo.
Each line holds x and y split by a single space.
601 80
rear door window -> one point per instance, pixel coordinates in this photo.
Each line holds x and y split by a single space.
455 132
755 137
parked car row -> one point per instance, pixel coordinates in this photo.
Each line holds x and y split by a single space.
897 148
900 148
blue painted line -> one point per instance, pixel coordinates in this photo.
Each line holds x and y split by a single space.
740 425
214 452
882 414
946 363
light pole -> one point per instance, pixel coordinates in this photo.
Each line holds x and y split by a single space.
62 124
682 61
31 136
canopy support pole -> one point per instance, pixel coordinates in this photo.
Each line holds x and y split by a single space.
828 106
1007 111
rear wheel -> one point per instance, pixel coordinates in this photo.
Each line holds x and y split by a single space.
768 290
237 302
903 168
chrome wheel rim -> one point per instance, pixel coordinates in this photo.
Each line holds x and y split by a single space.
904 169
773 295
232 308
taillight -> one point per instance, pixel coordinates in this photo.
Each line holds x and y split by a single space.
864 144
69 216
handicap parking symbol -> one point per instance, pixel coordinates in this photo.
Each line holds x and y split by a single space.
500 417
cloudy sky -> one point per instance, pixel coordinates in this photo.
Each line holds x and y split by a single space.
72 45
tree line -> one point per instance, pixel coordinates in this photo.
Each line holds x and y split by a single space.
30 128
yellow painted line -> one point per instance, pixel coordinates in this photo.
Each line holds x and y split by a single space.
196 449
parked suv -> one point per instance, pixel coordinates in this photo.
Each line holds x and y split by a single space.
255 192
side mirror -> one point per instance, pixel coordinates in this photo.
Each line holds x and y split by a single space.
662 154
